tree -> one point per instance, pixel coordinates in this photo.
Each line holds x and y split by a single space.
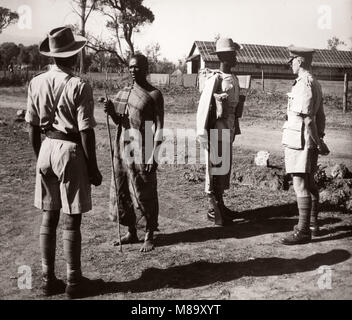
217 37
165 66
124 18
83 8
334 42
23 56
182 65
152 52
8 53
6 18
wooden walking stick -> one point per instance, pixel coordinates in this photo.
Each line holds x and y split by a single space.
113 172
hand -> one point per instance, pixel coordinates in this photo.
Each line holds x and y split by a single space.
109 107
221 96
96 178
323 148
151 167
242 98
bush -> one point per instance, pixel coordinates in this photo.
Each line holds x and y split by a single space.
13 81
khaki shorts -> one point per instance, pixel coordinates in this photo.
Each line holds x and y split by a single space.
62 178
301 161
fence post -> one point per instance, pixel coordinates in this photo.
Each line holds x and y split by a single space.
345 90
262 79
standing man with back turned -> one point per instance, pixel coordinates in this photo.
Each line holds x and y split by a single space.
302 138
60 105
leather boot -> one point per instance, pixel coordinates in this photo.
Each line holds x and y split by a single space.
228 213
297 237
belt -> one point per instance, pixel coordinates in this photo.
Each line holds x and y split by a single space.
55 134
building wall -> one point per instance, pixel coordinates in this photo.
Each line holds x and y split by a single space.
212 65
202 63
189 67
283 71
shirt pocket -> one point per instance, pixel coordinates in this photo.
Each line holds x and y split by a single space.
292 136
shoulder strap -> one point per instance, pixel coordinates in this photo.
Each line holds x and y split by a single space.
55 104
127 109
59 94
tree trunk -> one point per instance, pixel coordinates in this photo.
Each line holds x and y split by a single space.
83 33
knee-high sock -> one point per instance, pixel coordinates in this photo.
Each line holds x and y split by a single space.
47 239
72 252
304 207
315 208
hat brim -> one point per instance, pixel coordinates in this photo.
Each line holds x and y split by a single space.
236 48
291 58
76 47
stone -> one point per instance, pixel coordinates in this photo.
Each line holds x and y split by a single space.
21 113
348 205
262 158
339 171
325 196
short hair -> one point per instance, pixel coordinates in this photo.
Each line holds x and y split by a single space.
66 62
142 58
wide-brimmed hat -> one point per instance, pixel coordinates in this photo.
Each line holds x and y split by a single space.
299 52
226 45
62 43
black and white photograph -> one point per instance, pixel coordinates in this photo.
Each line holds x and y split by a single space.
177 155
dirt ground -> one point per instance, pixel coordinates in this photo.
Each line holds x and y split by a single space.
193 259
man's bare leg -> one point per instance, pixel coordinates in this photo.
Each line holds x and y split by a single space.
148 244
129 237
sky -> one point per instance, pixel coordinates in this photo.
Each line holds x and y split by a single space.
178 23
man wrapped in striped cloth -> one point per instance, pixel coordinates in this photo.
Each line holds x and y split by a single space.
138 112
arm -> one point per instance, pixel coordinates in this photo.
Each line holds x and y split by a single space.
312 129
33 121
86 123
316 136
308 96
35 139
320 121
88 144
159 125
109 108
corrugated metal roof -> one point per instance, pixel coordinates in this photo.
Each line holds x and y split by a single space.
261 54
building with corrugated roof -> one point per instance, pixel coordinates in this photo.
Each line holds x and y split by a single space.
270 61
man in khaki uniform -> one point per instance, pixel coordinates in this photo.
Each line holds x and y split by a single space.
60 105
219 110
302 138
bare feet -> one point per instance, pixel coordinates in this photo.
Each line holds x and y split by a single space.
148 244
129 237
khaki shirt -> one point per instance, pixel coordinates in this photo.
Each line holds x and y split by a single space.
75 109
306 99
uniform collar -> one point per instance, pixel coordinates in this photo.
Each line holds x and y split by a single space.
54 67
303 74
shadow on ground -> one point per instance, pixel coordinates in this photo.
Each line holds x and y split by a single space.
204 273
250 223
